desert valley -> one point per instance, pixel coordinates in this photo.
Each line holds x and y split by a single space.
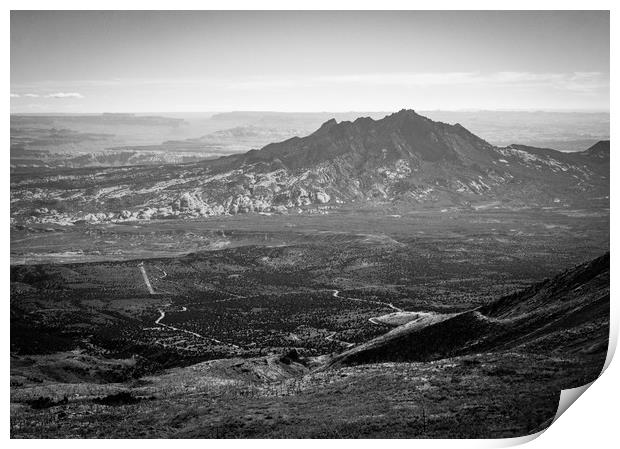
388 277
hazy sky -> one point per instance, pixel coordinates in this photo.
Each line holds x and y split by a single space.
308 61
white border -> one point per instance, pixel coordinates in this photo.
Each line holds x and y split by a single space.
591 422
505 5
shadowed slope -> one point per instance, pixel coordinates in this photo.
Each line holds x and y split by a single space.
569 313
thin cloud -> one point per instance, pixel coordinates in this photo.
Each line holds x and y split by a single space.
52 95
570 81
65 95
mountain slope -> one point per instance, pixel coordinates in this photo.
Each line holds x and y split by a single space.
566 314
599 150
404 135
403 159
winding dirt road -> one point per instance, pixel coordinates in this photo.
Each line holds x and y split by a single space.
336 294
195 334
162 312
331 336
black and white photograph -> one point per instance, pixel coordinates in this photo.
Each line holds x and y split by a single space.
305 224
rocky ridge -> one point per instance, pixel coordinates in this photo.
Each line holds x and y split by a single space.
402 159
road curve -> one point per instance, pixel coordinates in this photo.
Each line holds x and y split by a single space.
336 294
331 336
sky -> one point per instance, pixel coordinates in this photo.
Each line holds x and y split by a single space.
191 61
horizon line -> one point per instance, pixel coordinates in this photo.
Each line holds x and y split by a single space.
221 111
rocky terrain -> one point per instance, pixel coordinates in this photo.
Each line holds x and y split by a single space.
403 159
493 371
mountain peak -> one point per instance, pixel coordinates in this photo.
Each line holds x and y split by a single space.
404 135
405 114
328 125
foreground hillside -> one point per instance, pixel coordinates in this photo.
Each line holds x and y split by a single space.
568 314
495 371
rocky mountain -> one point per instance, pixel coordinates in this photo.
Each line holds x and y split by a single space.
568 314
404 159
